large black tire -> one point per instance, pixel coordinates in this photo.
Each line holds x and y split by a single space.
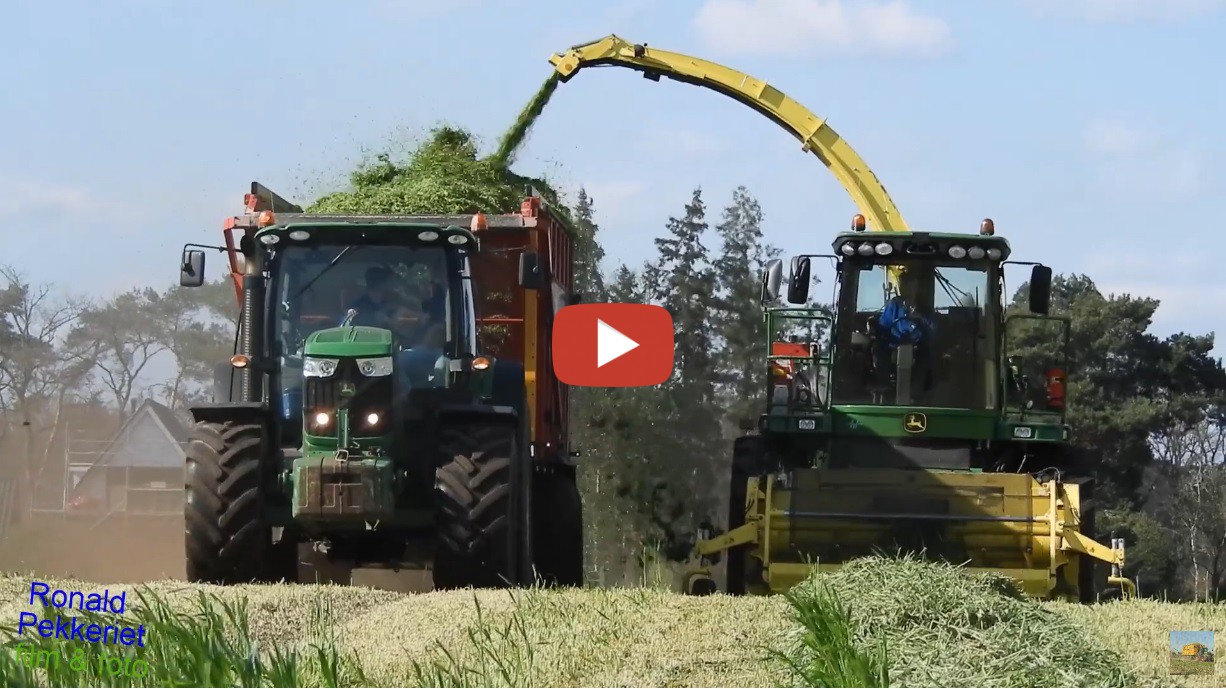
479 529
746 457
557 517
228 540
1091 573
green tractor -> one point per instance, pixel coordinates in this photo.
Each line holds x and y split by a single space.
915 415
382 434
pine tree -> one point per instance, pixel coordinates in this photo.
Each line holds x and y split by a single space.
738 314
684 283
682 280
588 253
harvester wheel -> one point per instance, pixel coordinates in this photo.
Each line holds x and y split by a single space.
228 540
746 452
557 541
475 510
1091 572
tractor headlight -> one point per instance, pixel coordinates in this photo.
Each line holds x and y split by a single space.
994 254
957 252
313 367
884 249
847 249
975 252
378 366
865 249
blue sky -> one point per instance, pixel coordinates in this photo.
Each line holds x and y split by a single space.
1087 129
1180 639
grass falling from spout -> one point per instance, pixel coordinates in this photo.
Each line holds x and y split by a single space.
511 141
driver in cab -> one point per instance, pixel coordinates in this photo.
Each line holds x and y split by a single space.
420 336
901 322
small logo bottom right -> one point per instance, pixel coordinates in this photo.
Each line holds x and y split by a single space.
1192 653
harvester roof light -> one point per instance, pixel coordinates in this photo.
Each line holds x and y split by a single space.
479 222
987 227
481 363
994 254
372 419
457 239
427 235
265 218
865 249
847 249
957 252
240 360
975 252
322 418
299 235
270 238
884 249
857 222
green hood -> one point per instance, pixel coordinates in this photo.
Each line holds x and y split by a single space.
354 340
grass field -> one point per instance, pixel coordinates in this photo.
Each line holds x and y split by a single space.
875 622
1187 666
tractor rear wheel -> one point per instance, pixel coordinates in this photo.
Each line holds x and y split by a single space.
228 539
557 542
478 518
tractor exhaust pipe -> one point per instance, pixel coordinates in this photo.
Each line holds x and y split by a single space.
253 328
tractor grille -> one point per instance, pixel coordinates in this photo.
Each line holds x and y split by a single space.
368 394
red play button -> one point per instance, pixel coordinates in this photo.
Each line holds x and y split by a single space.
613 345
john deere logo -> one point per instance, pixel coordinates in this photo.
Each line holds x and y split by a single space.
347 389
915 422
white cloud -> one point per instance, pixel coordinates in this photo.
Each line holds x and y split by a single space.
821 27
1126 10
1131 160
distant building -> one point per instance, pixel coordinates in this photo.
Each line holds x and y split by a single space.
140 471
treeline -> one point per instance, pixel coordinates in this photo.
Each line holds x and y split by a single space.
655 460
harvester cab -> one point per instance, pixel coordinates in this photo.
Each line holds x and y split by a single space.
359 415
906 417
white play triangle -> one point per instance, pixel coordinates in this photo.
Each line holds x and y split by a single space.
610 343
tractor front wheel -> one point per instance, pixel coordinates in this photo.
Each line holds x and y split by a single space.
228 539
478 519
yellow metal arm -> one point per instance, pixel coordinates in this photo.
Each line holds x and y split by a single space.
812 131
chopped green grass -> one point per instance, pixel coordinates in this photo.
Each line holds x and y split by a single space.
944 628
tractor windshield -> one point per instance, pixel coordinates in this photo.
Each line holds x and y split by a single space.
916 334
401 288
408 289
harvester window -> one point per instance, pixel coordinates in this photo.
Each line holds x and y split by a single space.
871 294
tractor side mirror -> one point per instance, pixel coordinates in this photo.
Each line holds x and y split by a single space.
798 285
191 268
530 270
772 278
1040 290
